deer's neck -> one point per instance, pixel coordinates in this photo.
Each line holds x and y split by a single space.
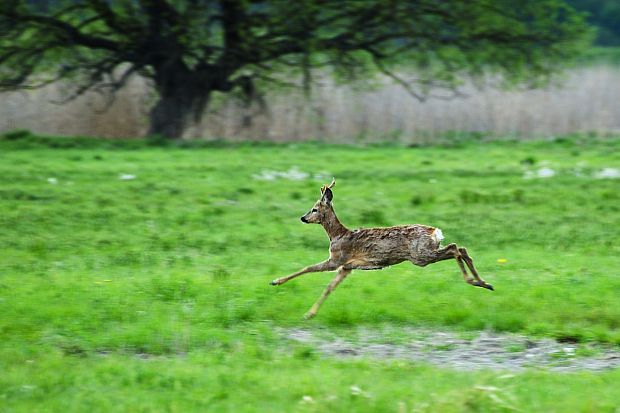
333 227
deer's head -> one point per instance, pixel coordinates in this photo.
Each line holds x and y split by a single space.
322 207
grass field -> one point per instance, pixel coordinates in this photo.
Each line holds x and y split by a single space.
135 277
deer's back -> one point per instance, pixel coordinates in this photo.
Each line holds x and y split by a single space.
380 247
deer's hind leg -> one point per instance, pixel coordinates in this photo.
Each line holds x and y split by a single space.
479 282
450 251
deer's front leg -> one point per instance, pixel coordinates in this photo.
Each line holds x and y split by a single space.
342 274
322 266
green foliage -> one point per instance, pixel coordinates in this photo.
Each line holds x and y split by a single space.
151 293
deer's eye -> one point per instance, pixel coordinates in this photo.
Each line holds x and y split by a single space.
315 210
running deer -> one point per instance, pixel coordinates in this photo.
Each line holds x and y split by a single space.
376 248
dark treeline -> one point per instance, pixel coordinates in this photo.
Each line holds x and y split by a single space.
605 16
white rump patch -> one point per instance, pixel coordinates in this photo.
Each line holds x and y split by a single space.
437 235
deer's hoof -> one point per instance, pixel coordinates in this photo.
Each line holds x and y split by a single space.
482 284
309 315
274 282
485 285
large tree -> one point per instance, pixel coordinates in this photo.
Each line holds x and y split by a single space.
193 48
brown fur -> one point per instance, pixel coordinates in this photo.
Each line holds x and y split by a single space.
376 248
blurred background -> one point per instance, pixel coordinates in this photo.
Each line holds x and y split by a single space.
156 156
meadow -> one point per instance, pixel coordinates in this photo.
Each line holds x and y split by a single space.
134 275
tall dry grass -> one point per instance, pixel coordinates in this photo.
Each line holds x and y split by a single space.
587 100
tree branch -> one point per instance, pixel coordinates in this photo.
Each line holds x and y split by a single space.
70 33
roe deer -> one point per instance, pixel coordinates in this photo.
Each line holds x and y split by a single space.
376 248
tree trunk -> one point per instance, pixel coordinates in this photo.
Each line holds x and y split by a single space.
183 97
168 118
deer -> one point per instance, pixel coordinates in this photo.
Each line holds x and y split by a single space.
376 248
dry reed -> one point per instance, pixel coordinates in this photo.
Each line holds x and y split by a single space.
588 100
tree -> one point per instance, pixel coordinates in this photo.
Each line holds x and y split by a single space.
193 48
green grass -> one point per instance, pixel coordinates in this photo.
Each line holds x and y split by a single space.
600 55
152 294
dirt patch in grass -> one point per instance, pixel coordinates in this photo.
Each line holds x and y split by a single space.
467 351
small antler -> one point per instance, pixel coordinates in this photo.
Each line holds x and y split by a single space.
326 187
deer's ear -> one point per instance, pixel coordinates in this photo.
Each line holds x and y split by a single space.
328 195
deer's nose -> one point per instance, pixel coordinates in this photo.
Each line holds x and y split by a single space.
303 219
